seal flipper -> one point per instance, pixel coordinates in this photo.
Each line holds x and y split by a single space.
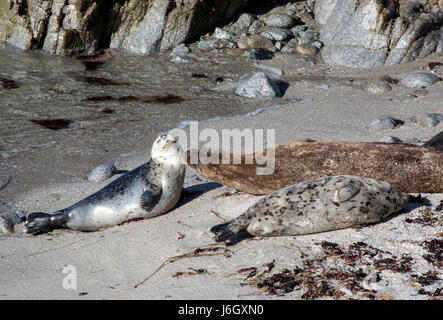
39 222
227 230
150 197
435 142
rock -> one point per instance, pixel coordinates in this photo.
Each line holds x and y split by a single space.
427 120
256 26
257 85
307 49
211 43
378 86
224 34
276 34
8 219
288 49
83 26
419 80
384 122
258 54
390 139
244 21
180 50
59 27
102 172
280 20
182 59
255 41
295 30
370 33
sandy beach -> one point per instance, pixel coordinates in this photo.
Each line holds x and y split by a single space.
395 259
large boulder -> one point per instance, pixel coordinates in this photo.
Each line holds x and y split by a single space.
83 26
57 26
369 33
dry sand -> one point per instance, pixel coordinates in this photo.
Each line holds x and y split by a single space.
114 263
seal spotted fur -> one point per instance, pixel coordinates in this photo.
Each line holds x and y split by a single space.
150 190
324 204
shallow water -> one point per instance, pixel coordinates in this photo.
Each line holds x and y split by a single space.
54 87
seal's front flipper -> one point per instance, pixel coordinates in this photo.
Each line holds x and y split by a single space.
436 142
150 197
39 222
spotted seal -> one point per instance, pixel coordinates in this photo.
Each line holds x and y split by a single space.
325 204
150 190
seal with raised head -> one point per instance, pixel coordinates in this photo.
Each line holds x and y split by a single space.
314 206
148 191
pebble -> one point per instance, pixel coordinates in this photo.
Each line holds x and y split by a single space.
220 33
182 59
102 172
258 54
419 80
54 197
180 50
276 34
325 86
274 71
256 26
257 85
307 49
280 20
245 21
383 122
390 139
428 120
255 41
378 86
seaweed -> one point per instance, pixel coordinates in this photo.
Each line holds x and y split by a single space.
435 248
53 124
107 110
8 84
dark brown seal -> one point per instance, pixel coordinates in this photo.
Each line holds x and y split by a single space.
408 167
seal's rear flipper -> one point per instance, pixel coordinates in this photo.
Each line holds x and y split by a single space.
39 222
436 142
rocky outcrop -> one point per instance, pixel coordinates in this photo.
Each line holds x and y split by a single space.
368 33
83 26
57 26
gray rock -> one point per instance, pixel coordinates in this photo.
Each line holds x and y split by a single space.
220 33
257 85
418 80
180 50
244 21
211 43
182 59
102 172
83 26
297 29
390 139
256 26
280 20
383 122
276 34
8 219
368 33
427 120
378 86
258 54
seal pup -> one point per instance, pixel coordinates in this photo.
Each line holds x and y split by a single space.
410 168
148 191
320 205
